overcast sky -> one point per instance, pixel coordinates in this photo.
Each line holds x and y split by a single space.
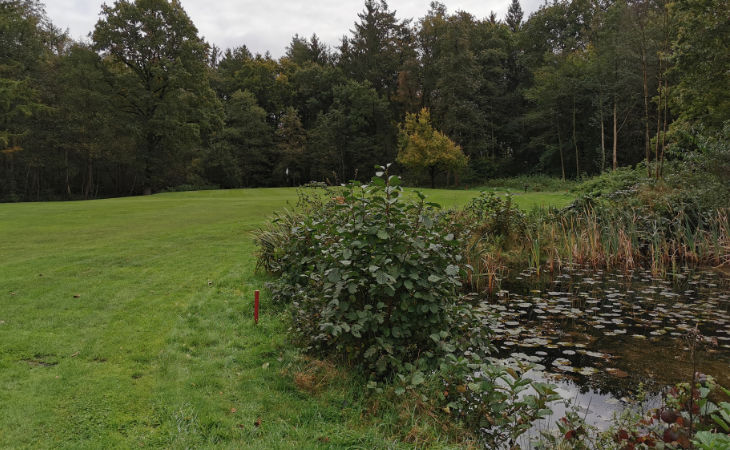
269 25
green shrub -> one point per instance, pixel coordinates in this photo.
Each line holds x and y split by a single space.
495 217
191 187
278 247
530 183
372 277
621 179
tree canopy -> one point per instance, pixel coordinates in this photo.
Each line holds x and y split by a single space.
423 147
575 88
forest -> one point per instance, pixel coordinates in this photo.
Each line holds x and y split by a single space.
145 104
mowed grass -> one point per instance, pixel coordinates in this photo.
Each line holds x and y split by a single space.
128 323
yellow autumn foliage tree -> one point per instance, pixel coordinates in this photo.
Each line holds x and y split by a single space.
423 147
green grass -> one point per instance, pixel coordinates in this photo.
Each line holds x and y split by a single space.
525 200
127 322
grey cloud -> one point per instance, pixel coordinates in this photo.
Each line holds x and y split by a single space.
269 25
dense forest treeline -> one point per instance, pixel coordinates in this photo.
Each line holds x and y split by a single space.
578 87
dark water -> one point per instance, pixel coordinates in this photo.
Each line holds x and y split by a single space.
603 337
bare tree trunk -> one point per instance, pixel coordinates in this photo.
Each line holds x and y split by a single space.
647 144
38 183
147 183
615 134
560 148
658 122
664 132
575 144
603 138
663 96
666 95
89 179
65 162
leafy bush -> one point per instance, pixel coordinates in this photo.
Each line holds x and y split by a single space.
277 247
531 183
495 217
490 226
191 187
501 403
373 278
687 418
621 179
704 172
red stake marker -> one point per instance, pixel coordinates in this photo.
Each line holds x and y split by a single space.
256 307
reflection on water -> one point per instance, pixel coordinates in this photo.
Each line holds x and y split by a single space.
598 335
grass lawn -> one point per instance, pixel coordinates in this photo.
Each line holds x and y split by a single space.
127 322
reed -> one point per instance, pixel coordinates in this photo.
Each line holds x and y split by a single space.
623 232
625 240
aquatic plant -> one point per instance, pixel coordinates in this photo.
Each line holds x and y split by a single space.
687 418
615 237
489 228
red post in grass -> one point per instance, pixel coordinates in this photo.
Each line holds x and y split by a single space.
256 307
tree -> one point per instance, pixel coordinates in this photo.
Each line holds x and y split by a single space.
301 51
312 90
423 147
156 63
223 79
514 16
618 61
249 138
290 140
86 127
378 48
261 75
454 80
24 39
701 63
353 136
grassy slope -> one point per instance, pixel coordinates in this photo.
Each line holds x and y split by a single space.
127 322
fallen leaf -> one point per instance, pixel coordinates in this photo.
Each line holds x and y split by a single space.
617 372
233 410
257 423
75 355
265 366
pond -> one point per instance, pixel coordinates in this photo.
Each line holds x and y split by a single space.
602 337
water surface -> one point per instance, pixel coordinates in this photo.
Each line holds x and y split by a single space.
603 337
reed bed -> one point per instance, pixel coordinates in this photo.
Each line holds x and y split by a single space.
610 235
626 239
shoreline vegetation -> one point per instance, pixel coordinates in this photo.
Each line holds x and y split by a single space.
324 254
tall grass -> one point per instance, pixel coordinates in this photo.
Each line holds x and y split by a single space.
653 229
624 240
